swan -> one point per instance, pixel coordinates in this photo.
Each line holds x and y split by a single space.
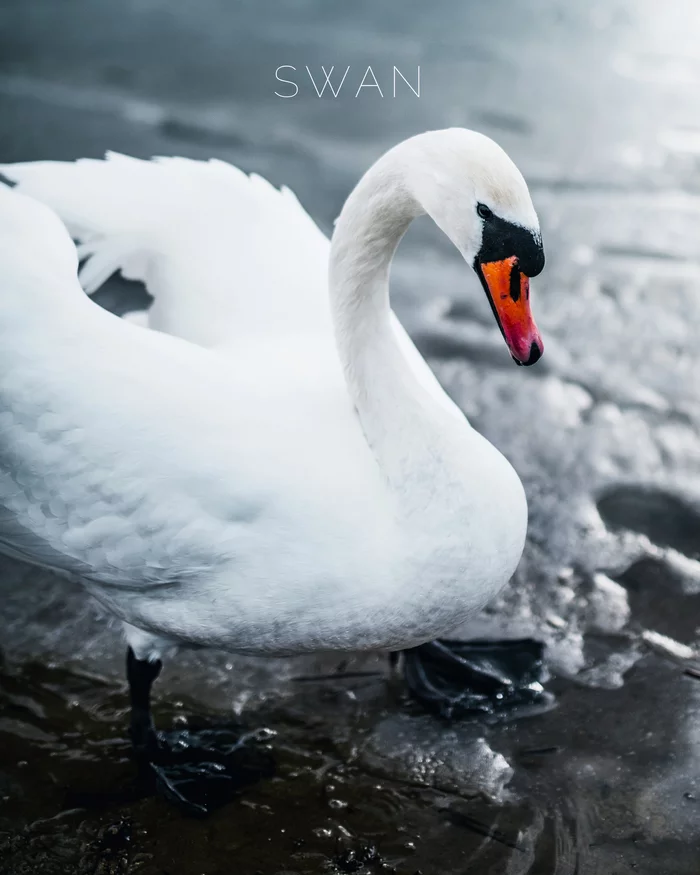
273 469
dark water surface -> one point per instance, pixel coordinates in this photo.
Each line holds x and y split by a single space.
598 104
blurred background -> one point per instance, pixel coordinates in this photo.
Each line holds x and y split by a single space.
597 102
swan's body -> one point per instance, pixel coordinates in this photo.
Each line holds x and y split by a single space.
285 474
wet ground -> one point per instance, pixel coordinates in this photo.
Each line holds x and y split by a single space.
597 103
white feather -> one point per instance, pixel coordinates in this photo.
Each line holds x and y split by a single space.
311 488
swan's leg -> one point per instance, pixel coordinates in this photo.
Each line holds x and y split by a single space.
141 673
198 769
144 661
494 678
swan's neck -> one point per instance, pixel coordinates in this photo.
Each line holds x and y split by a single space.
407 426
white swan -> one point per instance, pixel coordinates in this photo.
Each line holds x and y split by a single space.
313 488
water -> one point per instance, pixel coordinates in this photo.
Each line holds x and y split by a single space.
597 103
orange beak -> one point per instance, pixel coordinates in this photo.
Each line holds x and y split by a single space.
508 290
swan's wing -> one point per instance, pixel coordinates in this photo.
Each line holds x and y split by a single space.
224 254
34 249
114 453
136 459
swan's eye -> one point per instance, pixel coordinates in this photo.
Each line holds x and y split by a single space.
484 211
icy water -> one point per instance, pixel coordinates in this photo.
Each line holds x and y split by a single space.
597 103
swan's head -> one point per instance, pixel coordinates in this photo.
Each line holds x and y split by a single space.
478 197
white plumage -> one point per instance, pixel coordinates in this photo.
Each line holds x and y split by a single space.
282 475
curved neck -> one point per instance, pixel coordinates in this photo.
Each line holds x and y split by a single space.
404 422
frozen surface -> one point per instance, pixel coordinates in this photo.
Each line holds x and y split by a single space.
597 103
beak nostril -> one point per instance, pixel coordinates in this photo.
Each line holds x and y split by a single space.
515 283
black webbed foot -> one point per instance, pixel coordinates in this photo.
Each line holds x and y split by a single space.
198 769
202 769
488 678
